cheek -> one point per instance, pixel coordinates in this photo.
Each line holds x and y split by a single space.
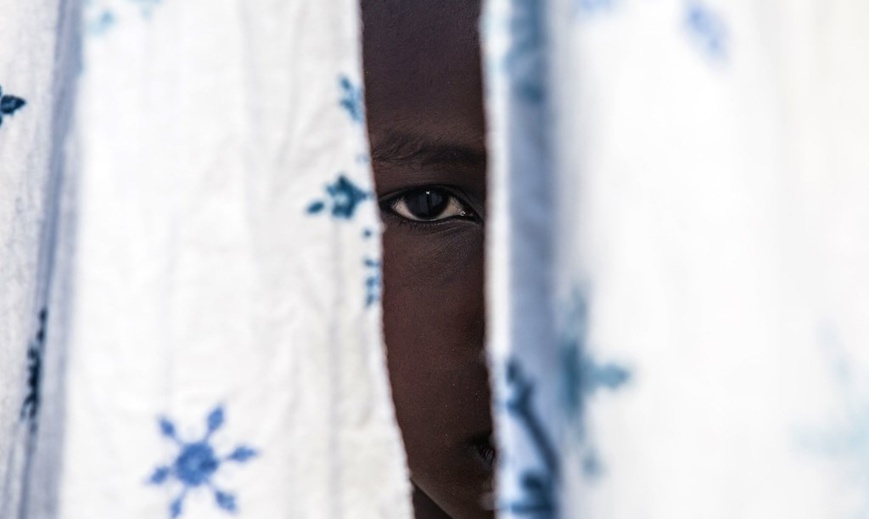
434 328
433 296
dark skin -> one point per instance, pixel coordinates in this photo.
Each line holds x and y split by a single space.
427 131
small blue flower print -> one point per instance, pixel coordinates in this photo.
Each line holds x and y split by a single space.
707 29
344 197
35 349
9 104
352 99
101 16
101 23
583 376
372 282
197 463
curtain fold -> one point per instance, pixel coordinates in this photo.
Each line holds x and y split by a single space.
38 64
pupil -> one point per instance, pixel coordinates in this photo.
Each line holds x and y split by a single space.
426 205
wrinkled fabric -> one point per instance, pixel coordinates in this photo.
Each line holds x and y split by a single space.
213 343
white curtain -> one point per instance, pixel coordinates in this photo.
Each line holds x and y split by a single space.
213 340
680 193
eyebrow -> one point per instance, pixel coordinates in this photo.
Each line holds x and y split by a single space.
406 148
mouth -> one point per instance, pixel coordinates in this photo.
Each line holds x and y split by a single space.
484 450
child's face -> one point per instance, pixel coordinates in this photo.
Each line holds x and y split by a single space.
426 125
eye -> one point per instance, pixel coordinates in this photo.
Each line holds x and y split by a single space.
428 205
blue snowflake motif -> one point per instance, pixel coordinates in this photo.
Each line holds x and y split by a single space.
538 485
583 376
344 198
526 61
197 463
708 30
9 105
352 99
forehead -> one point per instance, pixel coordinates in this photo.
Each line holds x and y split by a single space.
422 68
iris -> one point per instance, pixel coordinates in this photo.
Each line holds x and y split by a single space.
426 205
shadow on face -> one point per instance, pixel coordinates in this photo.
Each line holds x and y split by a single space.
427 131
